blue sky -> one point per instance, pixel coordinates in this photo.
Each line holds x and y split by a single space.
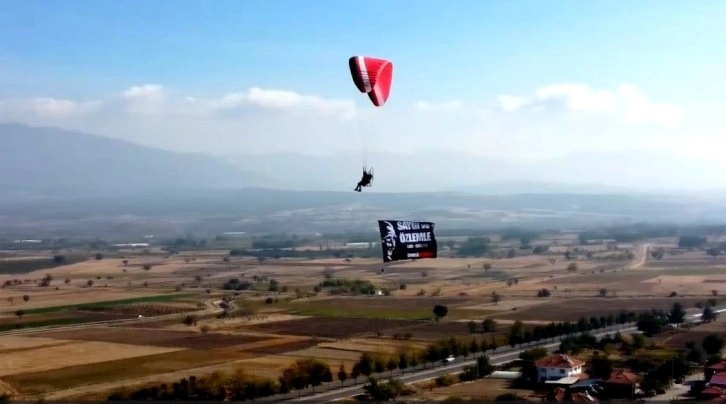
66 63
457 49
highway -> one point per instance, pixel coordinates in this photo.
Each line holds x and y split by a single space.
457 367
503 355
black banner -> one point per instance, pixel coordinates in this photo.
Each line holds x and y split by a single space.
404 240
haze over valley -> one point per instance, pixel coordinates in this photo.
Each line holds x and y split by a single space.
179 218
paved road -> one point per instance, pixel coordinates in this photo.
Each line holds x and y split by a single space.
508 355
503 355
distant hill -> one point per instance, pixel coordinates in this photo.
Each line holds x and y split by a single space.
419 172
51 162
596 172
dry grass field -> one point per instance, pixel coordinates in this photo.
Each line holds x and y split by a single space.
484 389
264 338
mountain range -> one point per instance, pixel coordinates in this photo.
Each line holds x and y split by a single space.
44 162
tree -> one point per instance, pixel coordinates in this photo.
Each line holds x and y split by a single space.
402 361
677 314
487 267
365 364
709 314
147 267
600 367
516 333
328 273
354 374
489 325
603 292
484 366
474 347
89 283
190 320
572 267
99 256
533 354
26 298
713 344
342 375
391 365
204 329
696 354
649 324
20 313
471 325
690 241
385 391
496 298
474 247
440 311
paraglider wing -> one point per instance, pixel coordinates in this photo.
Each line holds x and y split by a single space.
372 76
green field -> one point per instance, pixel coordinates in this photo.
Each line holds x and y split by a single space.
387 314
22 266
44 323
100 306
350 309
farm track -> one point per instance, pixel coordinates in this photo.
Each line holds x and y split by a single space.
5 388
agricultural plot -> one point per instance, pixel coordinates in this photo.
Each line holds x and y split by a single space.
73 373
335 329
381 307
80 353
157 338
330 327
572 309
479 390
56 319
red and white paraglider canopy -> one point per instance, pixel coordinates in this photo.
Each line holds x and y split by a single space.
372 76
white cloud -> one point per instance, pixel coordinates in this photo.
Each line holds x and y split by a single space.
627 103
266 120
145 91
145 99
282 100
153 99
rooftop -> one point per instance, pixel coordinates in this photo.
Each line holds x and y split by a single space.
559 361
623 377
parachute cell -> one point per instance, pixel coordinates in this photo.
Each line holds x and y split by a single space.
372 76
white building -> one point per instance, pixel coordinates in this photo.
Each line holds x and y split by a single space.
558 366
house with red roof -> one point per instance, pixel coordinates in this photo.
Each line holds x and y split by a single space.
713 393
621 384
715 368
558 366
560 395
718 380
